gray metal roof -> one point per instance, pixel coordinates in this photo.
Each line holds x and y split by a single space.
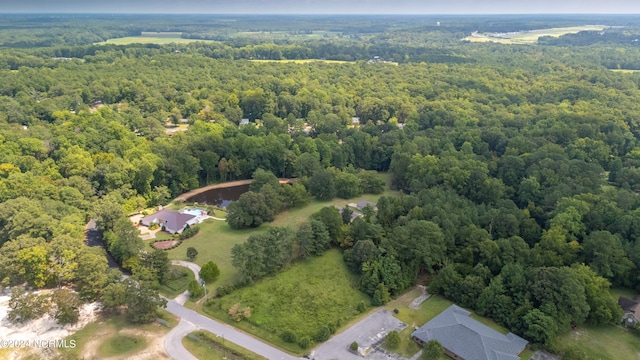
468 338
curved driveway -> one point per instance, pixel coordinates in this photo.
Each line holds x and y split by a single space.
192 266
191 320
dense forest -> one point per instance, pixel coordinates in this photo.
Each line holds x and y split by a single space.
519 165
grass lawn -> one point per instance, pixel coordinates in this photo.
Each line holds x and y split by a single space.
171 319
115 336
120 345
301 299
178 285
214 243
207 346
626 292
216 239
603 342
161 235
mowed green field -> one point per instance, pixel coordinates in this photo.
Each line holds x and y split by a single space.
159 38
607 342
302 299
530 37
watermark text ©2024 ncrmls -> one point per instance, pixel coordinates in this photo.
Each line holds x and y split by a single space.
37 343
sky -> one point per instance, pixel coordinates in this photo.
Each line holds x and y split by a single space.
325 6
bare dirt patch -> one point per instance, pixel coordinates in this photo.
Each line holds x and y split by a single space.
43 329
163 245
153 350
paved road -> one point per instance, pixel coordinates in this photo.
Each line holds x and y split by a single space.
92 237
369 332
173 341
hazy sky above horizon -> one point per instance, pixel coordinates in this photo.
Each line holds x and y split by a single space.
325 6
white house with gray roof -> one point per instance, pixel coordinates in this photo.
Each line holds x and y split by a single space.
170 220
465 338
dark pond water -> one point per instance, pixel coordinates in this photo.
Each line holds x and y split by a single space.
220 197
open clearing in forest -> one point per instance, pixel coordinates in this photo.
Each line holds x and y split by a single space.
216 239
531 36
302 299
159 38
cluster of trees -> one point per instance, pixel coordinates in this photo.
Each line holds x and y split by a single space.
266 253
264 200
62 304
520 166
266 197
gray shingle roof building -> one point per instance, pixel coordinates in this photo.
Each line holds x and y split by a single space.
465 338
172 221
363 204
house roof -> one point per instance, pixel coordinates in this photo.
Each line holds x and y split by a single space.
354 214
171 219
363 204
468 338
629 305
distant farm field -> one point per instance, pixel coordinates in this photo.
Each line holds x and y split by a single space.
529 37
625 71
317 34
305 61
159 38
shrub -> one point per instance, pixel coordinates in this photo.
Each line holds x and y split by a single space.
354 347
288 337
361 307
192 253
153 226
381 295
223 290
432 350
393 339
304 342
324 334
238 313
209 272
195 290
189 232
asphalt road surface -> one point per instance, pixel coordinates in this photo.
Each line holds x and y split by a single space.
191 320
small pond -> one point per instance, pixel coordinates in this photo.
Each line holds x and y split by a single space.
220 197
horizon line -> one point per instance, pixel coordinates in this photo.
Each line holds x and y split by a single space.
314 14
